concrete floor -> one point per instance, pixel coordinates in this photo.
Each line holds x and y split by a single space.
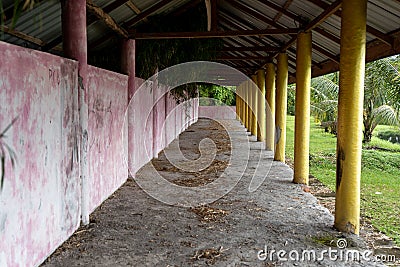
214 219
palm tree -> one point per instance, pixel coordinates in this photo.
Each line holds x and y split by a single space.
324 100
380 104
381 96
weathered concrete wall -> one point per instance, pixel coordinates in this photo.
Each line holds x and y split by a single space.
170 121
142 102
217 112
40 204
108 98
40 200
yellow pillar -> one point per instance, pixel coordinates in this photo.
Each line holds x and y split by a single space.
302 108
248 103
253 90
350 112
281 106
270 89
237 103
261 106
241 101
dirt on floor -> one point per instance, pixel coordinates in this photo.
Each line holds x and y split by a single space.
241 228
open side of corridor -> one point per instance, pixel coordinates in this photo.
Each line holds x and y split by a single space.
241 228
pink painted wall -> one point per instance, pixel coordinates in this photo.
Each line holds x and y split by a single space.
217 112
142 103
40 201
40 204
170 121
158 119
107 146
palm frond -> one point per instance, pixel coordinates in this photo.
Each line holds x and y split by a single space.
386 114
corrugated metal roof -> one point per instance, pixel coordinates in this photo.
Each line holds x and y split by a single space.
43 22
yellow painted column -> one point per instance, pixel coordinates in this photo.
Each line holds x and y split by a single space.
261 106
239 96
350 112
253 90
270 90
242 103
248 103
281 106
237 103
302 108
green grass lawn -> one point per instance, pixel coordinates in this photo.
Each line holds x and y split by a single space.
380 177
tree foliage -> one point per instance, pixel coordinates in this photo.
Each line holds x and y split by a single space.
155 55
216 95
381 96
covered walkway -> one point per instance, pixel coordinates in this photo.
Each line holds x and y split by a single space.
132 228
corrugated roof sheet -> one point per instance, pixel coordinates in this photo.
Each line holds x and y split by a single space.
43 22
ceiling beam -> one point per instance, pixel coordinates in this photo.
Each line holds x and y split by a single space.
235 58
148 12
249 48
134 8
106 18
22 36
331 9
315 22
296 17
285 7
371 30
237 23
216 34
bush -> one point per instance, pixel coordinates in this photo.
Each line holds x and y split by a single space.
390 135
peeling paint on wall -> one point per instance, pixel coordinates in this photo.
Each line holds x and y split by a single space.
39 204
108 96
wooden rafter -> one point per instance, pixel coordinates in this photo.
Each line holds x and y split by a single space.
148 12
371 30
284 11
324 15
236 23
216 34
285 7
235 58
315 22
243 24
249 48
22 36
106 18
